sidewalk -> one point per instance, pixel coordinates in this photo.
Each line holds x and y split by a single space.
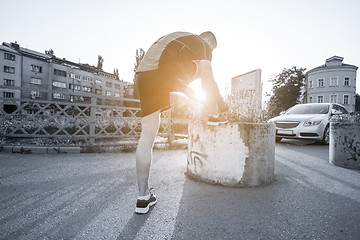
92 196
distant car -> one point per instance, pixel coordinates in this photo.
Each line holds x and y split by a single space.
307 121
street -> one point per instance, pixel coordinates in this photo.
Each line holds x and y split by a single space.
92 196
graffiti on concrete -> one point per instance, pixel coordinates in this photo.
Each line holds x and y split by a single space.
196 159
351 148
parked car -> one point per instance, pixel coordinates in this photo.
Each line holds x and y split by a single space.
307 121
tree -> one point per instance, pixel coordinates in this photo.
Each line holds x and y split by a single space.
286 90
140 53
100 62
357 103
116 73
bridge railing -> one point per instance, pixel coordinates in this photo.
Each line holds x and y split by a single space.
88 123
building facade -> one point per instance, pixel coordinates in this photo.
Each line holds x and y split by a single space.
333 82
27 74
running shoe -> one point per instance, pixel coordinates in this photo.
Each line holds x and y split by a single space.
216 120
143 206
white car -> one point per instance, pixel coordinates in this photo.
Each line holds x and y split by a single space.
307 121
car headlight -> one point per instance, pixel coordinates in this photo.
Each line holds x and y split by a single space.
312 123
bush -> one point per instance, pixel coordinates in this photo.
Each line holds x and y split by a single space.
243 107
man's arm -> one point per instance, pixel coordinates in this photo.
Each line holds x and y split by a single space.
190 94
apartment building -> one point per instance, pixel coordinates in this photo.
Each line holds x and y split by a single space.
333 82
26 74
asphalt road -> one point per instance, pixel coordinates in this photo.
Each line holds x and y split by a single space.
92 196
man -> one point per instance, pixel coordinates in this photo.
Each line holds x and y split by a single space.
170 65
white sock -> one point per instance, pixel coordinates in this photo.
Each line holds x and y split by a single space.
147 197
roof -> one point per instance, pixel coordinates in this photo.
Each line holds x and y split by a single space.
8 49
324 66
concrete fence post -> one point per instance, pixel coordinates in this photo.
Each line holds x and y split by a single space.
344 146
92 121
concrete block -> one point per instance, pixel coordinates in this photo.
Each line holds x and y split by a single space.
237 154
22 149
53 150
36 149
7 149
344 146
69 149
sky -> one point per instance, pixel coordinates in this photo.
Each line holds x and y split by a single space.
270 35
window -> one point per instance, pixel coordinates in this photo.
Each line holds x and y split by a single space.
320 82
343 110
8 94
333 98
59 73
117 86
311 84
310 99
346 99
87 89
37 69
99 82
130 91
59 84
98 91
9 56
340 109
320 99
35 94
333 81
58 96
346 81
88 79
108 84
8 69
36 81
117 94
9 82
107 93
74 76
74 98
74 87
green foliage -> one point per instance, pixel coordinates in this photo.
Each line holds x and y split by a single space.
286 90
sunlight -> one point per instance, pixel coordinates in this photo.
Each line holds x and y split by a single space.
197 88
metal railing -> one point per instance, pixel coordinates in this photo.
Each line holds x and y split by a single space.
88 123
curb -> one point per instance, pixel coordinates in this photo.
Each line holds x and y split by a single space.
127 146
38 150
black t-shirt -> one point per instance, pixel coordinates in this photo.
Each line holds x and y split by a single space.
172 57
177 47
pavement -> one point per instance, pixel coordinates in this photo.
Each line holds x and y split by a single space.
92 196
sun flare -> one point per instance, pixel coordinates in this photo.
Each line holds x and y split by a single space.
197 88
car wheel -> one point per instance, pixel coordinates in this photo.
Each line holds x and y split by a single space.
326 136
278 139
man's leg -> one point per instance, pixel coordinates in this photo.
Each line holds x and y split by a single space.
150 126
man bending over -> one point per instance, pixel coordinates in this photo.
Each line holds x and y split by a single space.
170 65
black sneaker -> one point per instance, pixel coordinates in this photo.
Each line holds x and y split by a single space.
143 206
215 120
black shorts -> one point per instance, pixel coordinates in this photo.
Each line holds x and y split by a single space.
155 86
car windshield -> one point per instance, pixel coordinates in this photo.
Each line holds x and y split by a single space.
309 109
